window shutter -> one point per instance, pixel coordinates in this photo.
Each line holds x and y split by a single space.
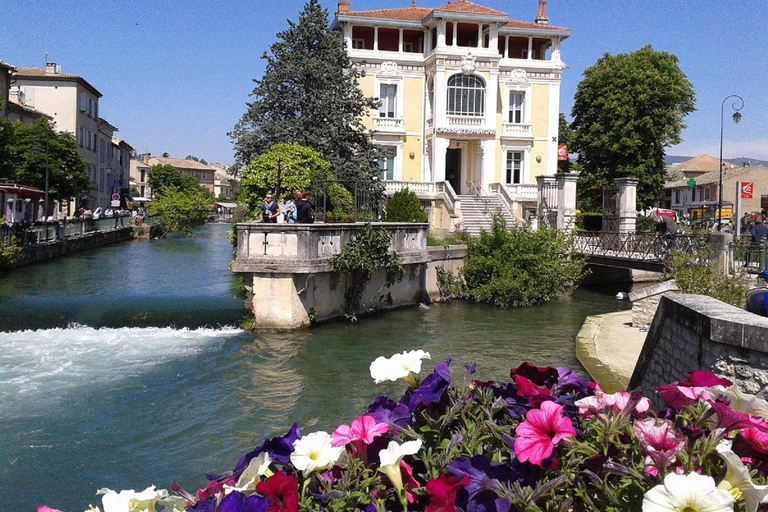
83 102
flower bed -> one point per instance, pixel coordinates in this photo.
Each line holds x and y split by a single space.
544 441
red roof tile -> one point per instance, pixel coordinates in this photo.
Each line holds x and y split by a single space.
465 6
406 13
528 24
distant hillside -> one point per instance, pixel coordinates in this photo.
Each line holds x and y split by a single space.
672 159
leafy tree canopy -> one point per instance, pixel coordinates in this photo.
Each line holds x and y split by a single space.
180 209
309 95
165 175
628 109
196 159
67 170
299 168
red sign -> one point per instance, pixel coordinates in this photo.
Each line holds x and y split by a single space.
747 189
562 152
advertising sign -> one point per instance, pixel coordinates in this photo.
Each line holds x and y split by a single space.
562 152
747 189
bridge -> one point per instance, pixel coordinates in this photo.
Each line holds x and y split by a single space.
637 251
650 252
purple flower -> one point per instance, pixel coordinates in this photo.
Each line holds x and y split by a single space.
385 410
208 505
485 475
279 448
517 405
237 502
433 387
569 382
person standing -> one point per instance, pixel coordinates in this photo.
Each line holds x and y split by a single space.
304 213
667 228
289 208
759 231
269 210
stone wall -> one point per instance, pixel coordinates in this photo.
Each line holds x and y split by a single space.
694 332
645 302
292 284
46 251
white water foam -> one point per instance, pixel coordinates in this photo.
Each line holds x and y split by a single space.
38 367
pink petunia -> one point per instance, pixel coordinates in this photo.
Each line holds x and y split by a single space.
677 396
619 400
541 431
409 482
592 405
46 509
659 441
757 439
705 379
364 429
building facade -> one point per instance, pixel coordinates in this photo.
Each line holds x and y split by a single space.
73 105
204 174
468 96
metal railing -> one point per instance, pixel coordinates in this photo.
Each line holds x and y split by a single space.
476 188
647 247
746 256
40 233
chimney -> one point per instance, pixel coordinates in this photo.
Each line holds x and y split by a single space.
50 68
145 158
343 7
541 18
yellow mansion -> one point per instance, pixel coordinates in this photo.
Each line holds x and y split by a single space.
469 99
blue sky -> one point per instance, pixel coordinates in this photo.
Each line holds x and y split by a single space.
176 75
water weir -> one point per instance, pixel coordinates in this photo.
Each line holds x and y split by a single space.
286 268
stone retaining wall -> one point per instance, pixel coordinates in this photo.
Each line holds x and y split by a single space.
694 332
645 302
48 251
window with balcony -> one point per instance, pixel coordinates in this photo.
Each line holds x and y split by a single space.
466 96
517 107
388 98
387 164
514 167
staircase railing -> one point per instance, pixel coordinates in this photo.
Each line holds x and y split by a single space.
499 190
448 195
477 190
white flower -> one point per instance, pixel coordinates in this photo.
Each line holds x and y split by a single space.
687 493
399 366
258 466
314 452
132 501
737 479
391 457
742 402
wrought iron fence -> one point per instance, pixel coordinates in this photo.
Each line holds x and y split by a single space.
648 247
748 256
365 201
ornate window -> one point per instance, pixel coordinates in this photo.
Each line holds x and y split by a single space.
514 167
387 164
516 107
466 95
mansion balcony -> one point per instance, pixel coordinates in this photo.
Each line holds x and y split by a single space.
388 124
517 130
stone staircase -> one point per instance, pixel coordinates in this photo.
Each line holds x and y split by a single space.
477 213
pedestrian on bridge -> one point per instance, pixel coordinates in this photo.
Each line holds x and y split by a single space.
667 228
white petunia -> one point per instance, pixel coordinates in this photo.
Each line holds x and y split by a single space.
258 466
391 457
740 401
738 480
130 500
314 452
399 366
687 493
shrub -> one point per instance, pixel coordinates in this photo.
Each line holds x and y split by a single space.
404 206
544 441
590 221
9 252
645 224
519 267
339 199
700 274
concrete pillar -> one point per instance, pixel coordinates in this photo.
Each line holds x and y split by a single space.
627 204
400 42
480 35
720 244
440 34
488 149
286 313
439 150
375 38
566 200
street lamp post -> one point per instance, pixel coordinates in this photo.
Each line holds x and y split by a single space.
736 118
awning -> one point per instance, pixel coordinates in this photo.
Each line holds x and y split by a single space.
141 199
227 205
21 190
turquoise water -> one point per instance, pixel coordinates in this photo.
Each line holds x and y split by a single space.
118 370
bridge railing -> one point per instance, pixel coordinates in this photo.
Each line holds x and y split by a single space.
648 247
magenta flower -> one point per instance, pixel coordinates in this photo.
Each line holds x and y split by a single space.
541 431
678 396
705 379
659 441
361 433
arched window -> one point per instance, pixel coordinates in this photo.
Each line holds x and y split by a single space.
466 95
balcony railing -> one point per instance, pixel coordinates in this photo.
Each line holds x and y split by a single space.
517 129
469 121
521 191
388 124
420 188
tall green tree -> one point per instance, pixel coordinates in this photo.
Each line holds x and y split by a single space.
628 109
67 170
180 209
309 95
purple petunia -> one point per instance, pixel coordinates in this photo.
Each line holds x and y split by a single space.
238 502
433 387
279 448
385 410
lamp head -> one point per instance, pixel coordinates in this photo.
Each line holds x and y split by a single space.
35 150
736 117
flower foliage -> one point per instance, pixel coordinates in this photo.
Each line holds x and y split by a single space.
545 441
